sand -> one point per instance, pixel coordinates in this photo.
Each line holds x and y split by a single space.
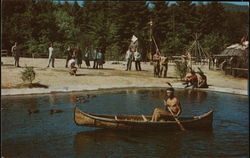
112 74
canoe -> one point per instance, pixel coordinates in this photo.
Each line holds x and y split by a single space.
141 122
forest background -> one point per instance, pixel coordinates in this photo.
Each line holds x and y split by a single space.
109 26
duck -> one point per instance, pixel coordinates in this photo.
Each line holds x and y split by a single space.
33 111
91 96
53 111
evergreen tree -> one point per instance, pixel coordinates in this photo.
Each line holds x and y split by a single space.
110 25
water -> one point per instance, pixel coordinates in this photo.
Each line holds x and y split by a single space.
44 134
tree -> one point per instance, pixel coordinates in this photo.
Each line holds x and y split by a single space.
161 22
214 43
110 25
181 69
214 19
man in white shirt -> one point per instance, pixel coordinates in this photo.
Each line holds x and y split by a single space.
137 57
51 55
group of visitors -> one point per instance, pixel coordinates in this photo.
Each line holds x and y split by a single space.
74 57
133 56
98 58
160 65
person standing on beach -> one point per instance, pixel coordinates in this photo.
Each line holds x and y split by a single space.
95 66
78 57
137 57
87 58
156 60
163 66
68 55
16 54
129 58
51 55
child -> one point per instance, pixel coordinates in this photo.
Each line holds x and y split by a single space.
72 67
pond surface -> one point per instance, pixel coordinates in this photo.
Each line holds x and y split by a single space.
40 133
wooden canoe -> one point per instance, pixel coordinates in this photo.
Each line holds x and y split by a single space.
142 123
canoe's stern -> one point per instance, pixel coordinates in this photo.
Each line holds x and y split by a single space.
84 119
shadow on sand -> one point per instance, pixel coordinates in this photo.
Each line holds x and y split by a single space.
80 74
33 85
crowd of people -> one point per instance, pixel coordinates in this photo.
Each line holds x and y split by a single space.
75 56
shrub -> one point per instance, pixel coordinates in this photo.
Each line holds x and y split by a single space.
28 74
181 69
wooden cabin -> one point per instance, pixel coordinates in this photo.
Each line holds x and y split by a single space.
233 61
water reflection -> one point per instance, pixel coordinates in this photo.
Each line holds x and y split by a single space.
158 94
190 95
52 99
195 95
95 143
71 98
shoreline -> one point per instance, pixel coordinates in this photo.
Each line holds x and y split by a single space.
37 91
113 76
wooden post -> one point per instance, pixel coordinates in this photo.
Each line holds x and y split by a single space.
235 72
231 67
209 64
150 39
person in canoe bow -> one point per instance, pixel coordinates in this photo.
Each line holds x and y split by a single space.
171 103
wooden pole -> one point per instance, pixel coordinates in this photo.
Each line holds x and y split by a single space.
150 39
156 45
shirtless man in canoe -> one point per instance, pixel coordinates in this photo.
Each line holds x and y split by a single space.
171 103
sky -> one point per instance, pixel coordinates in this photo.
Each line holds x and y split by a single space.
230 2
238 3
80 2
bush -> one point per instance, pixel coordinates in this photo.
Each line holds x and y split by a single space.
181 69
28 74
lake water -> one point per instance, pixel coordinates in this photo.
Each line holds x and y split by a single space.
45 134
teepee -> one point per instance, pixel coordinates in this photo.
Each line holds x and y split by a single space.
196 50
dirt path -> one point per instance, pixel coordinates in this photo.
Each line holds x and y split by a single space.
112 74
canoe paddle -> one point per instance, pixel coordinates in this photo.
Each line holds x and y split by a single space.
179 123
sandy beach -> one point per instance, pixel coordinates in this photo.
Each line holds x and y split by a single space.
113 74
